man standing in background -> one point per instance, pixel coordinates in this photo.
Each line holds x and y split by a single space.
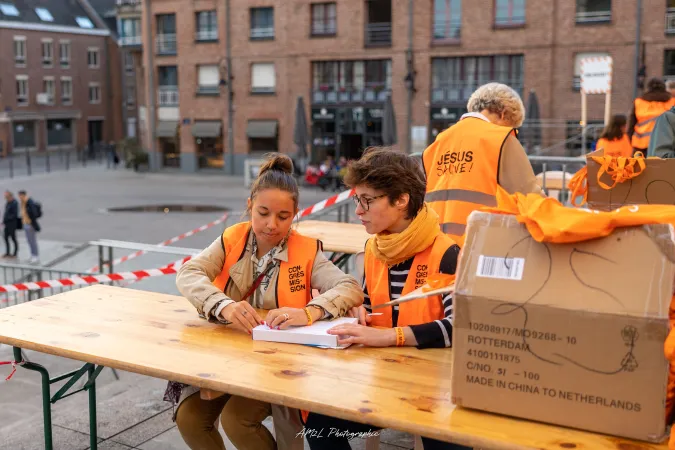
11 221
30 212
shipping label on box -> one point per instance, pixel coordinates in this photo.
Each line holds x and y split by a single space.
567 334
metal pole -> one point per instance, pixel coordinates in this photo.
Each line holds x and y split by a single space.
411 74
150 71
638 25
93 429
230 102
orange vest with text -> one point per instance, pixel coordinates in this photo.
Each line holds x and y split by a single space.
462 167
646 113
293 287
617 147
425 264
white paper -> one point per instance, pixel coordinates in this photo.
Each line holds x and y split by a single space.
315 335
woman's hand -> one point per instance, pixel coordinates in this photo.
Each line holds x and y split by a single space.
360 313
241 315
358 334
284 318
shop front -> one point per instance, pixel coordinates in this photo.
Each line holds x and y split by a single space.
442 118
209 144
169 143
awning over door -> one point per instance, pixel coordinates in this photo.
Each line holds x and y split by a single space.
166 128
264 129
207 129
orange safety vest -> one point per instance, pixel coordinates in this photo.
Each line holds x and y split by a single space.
616 147
425 264
295 275
462 167
646 114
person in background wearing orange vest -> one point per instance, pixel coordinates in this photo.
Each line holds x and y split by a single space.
468 160
614 140
250 266
646 109
408 247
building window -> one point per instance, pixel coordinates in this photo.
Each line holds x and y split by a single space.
64 53
9 10
44 14
168 85
509 13
262 23
84 22
22 90
670 17
66 90
669 64
324 19
454 79
447 20
93 58
576 81
49 88
47 52
129 61
59 132
208 79
20 50
24 134
130 31
166 34
207 26
351 81
94 93
594 11
263 78
131 97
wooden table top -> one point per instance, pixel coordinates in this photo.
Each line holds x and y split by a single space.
161 336
336 236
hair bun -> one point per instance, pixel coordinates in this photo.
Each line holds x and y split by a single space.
277 162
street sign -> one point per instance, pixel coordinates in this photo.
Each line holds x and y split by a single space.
596 75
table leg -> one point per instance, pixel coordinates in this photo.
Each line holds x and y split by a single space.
46 403
91 387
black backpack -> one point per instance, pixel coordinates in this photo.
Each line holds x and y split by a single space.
38 209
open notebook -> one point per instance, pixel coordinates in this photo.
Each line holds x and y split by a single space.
315 334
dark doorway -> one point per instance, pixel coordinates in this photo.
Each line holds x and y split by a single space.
95 129
351 146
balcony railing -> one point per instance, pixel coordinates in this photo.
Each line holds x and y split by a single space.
129 41
461 91
447 30
167 95
334 94
120 3
206 35
670 20
128 6
166 44
378 34
262 33
594 16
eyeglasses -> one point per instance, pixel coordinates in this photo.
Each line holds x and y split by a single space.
365 202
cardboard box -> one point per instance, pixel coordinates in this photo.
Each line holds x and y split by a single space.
567 334
655 186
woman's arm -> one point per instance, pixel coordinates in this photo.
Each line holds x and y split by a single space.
515 170
338 291
194 280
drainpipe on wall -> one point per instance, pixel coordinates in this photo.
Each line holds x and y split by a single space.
153 155
638 16
410 79
230 92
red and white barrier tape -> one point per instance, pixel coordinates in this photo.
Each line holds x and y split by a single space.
93 279
331 201
14 364
173 240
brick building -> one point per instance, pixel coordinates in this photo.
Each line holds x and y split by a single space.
345 57
57 92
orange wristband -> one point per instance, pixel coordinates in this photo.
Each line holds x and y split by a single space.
309 316
400 337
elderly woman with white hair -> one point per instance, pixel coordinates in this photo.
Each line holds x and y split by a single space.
470 159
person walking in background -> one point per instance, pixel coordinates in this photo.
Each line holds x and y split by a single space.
30 213
614 140
646 109
468 160
12 222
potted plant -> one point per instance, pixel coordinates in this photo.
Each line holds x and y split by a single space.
135 156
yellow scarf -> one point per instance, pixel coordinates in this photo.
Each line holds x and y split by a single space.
394 248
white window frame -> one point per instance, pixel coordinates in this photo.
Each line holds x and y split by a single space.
47 56
93 51
69 99
64 62
26 94
44 14
263 89
45 82
97 88
20 62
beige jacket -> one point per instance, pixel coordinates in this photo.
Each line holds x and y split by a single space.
338 291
